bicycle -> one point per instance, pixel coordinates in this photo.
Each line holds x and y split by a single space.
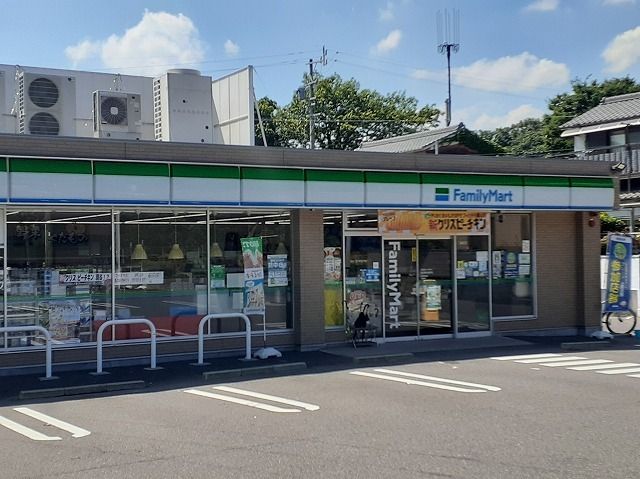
620 322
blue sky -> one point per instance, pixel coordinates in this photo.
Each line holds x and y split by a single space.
514 54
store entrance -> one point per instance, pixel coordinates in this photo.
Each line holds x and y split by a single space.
418 287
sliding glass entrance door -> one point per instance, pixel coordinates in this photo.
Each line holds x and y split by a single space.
401 308
435 286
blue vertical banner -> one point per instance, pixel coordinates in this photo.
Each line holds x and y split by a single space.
619 249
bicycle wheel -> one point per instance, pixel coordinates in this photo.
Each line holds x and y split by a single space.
621 322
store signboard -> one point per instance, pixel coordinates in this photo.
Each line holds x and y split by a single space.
619 251
122 279
433 222
253 275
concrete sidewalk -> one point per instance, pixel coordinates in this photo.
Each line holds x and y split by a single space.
177 374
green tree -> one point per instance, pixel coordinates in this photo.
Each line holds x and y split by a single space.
345 115
531 136
268 113
522 138
584 96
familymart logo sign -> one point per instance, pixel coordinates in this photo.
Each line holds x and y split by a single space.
481 196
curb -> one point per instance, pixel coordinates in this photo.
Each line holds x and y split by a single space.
586 345
382 358
254 371
84 389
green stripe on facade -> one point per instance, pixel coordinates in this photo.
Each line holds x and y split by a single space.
33 165
335 175
200 171
450 179
276 174
131 169
548 181
3 164
380 177
592 182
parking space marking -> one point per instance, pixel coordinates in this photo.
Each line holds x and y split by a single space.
577 363
550 360
442 380
268 397
26 431
620 371
414 382
525 356
75 431
595 367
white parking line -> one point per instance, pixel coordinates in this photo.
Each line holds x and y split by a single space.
621 371
525 356
417 383
604 366
290 402
244 402
442 380
578 363
549 360
25 431
65 426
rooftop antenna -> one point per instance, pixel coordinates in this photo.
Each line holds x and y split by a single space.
448 26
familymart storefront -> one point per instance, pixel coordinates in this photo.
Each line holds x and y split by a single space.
109 230
453 271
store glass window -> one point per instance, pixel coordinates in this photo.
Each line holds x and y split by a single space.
333 284
161 260
362 220
512 265
227 229
58 274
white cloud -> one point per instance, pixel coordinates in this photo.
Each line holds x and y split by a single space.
388 43
82 51
623 51
158 42
475 120
422 74
514 74
618 2
386 14
231 49
542 6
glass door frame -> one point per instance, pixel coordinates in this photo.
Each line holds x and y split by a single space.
454 300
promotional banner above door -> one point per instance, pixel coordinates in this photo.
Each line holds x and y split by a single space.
425 223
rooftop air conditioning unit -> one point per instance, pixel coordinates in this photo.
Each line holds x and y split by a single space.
46 104
116 115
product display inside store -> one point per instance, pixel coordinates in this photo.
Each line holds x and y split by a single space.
168 268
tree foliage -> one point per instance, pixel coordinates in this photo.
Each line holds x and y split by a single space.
531 136
584 96
345 115
522 138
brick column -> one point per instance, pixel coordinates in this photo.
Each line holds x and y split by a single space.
308 278
588 272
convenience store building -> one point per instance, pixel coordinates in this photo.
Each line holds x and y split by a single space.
438 246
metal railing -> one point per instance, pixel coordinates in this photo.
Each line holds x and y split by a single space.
119 322
208 318
45 333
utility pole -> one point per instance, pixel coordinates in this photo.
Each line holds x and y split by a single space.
448 39
310 92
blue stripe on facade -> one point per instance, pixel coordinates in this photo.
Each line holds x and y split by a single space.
391 205
49 200
333 205
268 203
206 203
132 202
